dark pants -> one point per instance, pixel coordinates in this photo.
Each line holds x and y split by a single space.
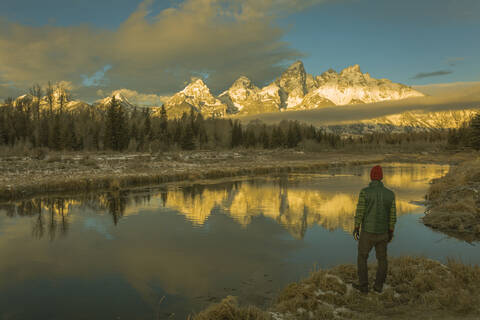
365 244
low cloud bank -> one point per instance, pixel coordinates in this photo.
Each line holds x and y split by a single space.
466 99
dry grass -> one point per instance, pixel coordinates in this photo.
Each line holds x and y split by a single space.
24 177
416 288
228 309
454 202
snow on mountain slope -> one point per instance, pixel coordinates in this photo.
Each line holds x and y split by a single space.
297 90
243 97
429 120
351 85
120 98
198 96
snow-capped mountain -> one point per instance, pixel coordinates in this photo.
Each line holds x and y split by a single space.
104 103
243 97
196 96
59 99
297 90
428 120
352 86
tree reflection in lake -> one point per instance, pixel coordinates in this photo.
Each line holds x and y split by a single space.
292 201
118 253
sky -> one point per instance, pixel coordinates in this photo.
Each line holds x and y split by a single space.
150 49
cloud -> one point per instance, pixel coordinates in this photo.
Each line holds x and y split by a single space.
155 53
454 61
422 75
97 79
140 99
445 88
468 98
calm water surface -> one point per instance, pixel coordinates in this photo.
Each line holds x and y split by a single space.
164 253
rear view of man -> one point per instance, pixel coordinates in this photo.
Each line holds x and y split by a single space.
376 214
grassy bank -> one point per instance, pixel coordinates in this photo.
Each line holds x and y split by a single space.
417 288
23 177
454 202
27 176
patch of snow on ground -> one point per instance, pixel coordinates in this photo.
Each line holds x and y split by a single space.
277 316
334 277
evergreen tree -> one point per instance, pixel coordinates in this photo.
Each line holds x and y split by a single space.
278 137
147 126
237 134
57 138
250 138
163 121
3 129
177 135
475 132
264 137
116 130
70 136
188 138
110 122
293 135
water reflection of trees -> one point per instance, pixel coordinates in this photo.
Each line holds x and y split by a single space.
284 200
52 216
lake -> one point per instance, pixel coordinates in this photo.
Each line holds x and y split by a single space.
165 252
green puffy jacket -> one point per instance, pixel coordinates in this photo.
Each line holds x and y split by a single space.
376 211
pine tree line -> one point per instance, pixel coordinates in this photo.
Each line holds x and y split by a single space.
117 129
467 136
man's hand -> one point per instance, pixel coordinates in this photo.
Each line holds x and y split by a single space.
390 235
356 233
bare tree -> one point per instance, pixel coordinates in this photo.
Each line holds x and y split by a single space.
50 97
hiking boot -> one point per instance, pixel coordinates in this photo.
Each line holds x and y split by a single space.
360 288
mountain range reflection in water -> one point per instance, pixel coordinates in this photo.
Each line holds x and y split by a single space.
117 254
295 201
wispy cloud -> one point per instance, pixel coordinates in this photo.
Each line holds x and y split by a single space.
422 75
454 61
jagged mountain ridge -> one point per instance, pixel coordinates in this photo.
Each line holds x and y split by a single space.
59 99
293 90
297 90
120 98
196 96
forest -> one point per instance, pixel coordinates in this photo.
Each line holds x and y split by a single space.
28 125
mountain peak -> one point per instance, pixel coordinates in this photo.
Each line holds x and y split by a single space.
195 85
242 81
297 66
120 97
351 69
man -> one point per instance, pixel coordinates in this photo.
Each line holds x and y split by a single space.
376 214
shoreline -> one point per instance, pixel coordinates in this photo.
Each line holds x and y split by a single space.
60 173
415 288
453 205
26 177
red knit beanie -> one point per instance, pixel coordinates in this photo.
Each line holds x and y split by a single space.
376 173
